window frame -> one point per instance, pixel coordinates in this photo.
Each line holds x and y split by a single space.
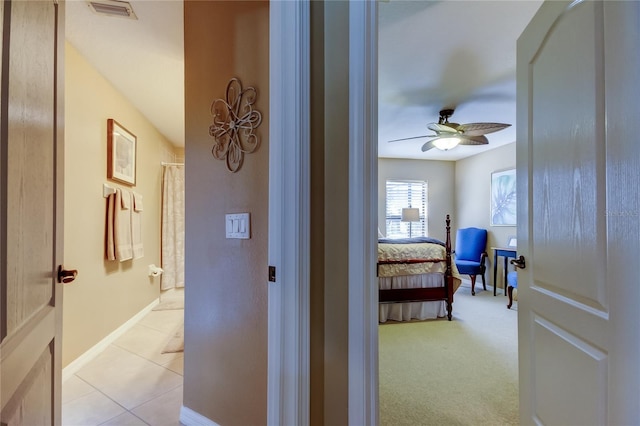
416 196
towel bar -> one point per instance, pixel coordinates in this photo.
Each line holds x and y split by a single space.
107 190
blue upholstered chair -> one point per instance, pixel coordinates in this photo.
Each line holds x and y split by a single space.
512 282
471 253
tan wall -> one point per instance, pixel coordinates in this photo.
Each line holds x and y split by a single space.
439 176
106 293
226 291
473 186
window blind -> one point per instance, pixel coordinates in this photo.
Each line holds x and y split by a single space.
402 194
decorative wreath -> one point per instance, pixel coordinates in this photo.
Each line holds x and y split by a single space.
234 123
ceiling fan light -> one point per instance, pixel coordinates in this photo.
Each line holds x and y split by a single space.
445 144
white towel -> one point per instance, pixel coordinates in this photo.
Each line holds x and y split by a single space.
136 226
125 201
137 202
122 225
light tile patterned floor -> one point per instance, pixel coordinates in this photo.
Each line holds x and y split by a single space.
131 382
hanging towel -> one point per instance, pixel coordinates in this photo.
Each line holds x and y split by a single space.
137 202
136 226
125 200
111 246
122 225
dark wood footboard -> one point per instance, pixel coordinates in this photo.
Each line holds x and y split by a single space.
424 294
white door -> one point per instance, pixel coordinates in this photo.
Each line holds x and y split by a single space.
30 232
578 159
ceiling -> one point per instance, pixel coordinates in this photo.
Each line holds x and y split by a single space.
432 55
438 54
143 58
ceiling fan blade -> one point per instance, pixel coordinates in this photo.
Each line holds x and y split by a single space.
443 128
478 129
427 146
415 137
465 139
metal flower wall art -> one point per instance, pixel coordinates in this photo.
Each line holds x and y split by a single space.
234 124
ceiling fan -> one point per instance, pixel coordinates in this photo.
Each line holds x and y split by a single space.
449 135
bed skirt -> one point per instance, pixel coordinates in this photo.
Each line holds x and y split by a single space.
411 310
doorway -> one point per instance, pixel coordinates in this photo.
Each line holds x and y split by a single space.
111 297
458 180
363 206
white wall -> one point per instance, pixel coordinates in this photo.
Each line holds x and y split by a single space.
439 176
472 196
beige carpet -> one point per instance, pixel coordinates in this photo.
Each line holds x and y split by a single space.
463 372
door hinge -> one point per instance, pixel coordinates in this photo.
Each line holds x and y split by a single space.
272 274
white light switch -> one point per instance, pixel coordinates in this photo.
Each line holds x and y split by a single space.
238 225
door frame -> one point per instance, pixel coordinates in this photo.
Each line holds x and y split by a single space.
289 212
288 371
363 212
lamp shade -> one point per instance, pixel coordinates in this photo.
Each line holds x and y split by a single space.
410 214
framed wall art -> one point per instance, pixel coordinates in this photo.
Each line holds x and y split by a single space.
121 153
503 198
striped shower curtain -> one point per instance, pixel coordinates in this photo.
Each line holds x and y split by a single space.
172 227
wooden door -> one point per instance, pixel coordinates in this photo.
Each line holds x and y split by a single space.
578 160
31 225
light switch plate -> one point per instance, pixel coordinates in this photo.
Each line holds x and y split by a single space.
238 225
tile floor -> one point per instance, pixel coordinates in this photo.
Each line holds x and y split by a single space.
131 382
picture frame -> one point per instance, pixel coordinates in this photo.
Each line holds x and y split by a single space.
121 153
503 198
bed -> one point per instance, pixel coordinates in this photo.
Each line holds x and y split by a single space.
416 278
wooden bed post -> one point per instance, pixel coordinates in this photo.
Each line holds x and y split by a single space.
422 294
448 275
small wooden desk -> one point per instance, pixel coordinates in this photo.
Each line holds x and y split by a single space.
505 252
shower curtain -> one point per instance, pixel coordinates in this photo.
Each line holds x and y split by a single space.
172 227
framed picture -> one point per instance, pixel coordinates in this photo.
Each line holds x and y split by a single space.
503 198
121 153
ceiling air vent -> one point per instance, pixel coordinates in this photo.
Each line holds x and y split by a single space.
122 9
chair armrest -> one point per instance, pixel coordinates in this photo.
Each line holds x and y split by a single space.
483 256
483 267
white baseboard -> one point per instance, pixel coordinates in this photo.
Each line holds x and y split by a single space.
188 417
83 359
